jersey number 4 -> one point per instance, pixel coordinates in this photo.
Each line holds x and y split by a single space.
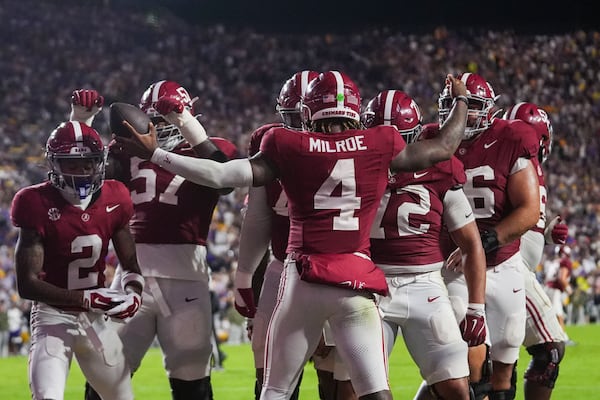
343 173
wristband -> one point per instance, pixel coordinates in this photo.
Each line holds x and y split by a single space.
129 277
462 98
477 309
489 240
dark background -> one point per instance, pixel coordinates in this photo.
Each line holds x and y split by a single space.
351 15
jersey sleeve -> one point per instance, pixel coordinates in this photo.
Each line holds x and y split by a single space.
457 210
23 212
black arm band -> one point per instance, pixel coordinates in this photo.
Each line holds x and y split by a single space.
489 240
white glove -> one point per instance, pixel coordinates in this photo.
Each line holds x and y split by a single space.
102 299
127 309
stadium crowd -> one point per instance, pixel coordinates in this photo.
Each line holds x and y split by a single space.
237 72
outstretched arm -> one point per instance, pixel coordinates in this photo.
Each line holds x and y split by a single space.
234 173
423 154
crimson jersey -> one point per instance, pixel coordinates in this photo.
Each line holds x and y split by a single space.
488 160
276 199
409 220
333 183
168 208
75 241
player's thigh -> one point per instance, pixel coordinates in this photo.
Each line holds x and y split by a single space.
505 310
295 328
457 292
138 333
185 335
266 304
49 360
542 324
102 361
431 333
357 329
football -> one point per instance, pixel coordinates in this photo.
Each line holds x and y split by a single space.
120 112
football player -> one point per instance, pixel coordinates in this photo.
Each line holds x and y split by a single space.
405 245
334 176
502 187
544 337
170 225
266 222
65 226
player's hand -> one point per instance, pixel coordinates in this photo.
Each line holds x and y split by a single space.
85 104
244 295
140 145
456 86
454 261
244 302
87 98
556 231
102 299
473 327
127 309
170 103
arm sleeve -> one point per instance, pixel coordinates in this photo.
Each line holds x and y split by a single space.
457 210
234 173
256 231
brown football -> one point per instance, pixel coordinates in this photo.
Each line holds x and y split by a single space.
120 112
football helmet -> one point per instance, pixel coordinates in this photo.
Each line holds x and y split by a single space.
332 94
396 108
482 100
288 102
76 141
167 134
539 120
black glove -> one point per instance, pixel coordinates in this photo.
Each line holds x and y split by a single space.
489 240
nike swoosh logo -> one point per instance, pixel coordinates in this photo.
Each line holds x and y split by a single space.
517 290
422 174
111 208
431 299
488 145
188 299
468 215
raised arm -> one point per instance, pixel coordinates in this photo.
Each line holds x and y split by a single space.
423 154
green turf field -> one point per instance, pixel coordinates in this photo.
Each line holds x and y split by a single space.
579 378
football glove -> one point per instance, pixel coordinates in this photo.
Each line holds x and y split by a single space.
130 305
473 327
102 299
244 295
556 231
173 110
85 104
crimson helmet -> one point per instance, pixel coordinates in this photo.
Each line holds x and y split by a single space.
331 95
396 108
290 96
539 120
168 135
76 141
482 100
